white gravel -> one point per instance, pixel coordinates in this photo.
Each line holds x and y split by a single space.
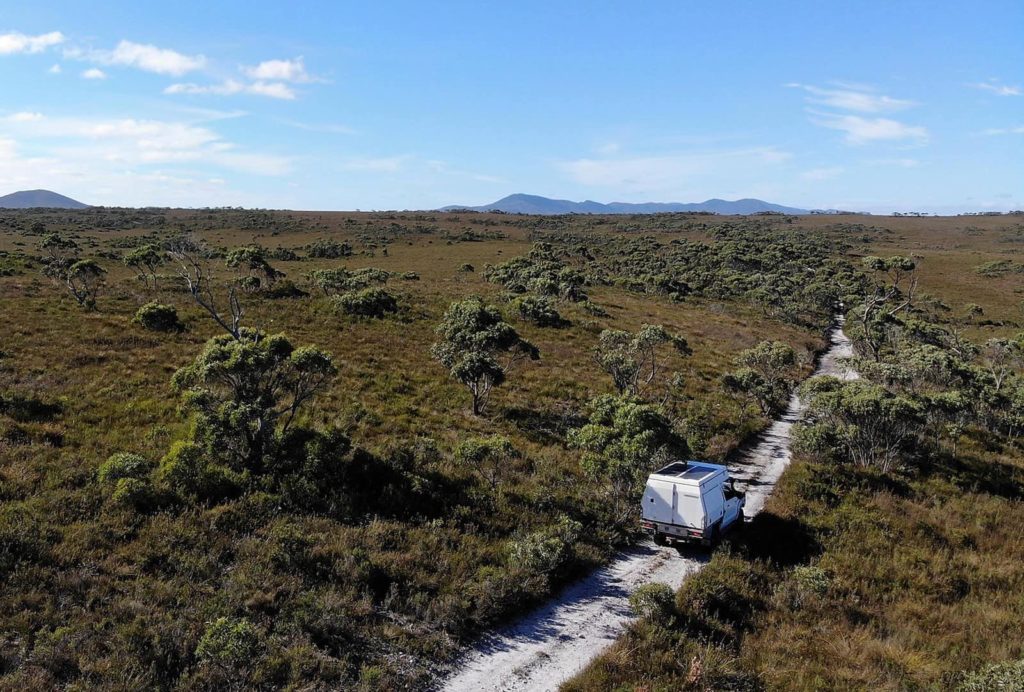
559 639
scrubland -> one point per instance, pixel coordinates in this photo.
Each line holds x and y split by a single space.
366 559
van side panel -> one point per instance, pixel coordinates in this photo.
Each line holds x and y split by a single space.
689 511
658 501
714 501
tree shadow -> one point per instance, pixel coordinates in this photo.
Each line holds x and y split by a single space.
29 409
784 541
976 475
542 426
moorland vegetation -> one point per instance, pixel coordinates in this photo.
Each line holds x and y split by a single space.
262 449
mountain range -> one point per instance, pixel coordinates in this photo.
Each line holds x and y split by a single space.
535 204
28 199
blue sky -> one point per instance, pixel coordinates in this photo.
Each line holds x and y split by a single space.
876 106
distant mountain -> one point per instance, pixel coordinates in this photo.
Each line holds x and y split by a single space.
534 204
27 199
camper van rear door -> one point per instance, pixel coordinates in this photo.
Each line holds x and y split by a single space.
688 510
659 501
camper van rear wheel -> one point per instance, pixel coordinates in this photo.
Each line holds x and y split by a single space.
712 538
659 539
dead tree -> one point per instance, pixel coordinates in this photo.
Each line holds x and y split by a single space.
195 269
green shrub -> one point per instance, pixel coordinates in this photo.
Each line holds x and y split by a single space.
333 281
370 302
653 602
158 318
232 642
137 493
1001 677
805 582
593 309
328 249
537 309
125 465
188 472
724 596
283 254
546 551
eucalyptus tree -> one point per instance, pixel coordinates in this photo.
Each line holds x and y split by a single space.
479 348
857 421
889 296
63 265
144 260
767 375
624 440
245 391
633 360
489 457
1001 358
256 271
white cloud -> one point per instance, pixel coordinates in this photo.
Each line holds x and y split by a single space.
384 164
860 130
15 42
227 87
131 142
996 88
232 86
99 183
293 70
275 90
331 128
995 131
852 98
900 163
670 173
822 173
143 57
54 69
94 73
24 117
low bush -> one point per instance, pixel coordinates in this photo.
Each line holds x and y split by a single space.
370 302
1001 677
124 465
328 249
230 642
547 551
538 310
653 602
159 318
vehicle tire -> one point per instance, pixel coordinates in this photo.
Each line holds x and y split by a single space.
713 536
659 539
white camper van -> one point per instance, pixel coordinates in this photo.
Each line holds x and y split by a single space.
694 502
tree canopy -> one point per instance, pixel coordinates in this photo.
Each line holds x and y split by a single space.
479 348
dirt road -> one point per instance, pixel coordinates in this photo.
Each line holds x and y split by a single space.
557 640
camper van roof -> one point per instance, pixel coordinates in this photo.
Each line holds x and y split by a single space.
695 472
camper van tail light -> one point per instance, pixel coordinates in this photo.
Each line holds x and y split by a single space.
695 532
647 524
